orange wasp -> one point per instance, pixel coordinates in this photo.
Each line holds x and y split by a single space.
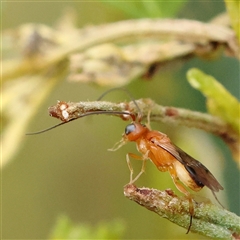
156 146
166 156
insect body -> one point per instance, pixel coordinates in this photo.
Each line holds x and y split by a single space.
166 156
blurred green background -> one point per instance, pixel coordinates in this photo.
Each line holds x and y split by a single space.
69 170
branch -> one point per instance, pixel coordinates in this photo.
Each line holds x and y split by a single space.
191 35
208 220
66 111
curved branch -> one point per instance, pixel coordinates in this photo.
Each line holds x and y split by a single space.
208 220
192 32
66 111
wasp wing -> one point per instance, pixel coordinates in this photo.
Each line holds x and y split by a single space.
199 173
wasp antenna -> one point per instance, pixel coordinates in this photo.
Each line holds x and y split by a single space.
111 90
47 129
83 115
139 116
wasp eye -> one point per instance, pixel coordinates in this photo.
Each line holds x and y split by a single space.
130 128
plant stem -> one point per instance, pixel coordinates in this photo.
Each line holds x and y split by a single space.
208 220
172 115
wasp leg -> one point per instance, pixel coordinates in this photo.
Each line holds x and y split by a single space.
182 189
141 172
117 145
142 158
148 120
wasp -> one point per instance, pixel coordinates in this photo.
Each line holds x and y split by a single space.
157 147
166 156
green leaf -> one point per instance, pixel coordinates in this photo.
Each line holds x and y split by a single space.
233 8
219 101
151 9
163 9
66 229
